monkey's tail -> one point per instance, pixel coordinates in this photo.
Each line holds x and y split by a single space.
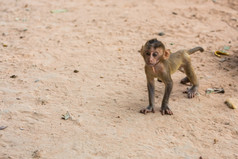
191 51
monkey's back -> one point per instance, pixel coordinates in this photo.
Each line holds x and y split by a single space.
177 59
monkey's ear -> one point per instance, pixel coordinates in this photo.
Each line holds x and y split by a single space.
141 50
166 54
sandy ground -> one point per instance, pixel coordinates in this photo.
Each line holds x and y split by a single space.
100 39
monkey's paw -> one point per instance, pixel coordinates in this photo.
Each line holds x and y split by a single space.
147 110
192 92
166 111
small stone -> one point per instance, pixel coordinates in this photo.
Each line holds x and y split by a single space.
161 33
13 76
36 80
76 71
215 141
4 45
43 102
36 154
3 127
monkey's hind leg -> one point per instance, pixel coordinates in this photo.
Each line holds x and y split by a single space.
191 76
185 80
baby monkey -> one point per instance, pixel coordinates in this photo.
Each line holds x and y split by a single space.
160 64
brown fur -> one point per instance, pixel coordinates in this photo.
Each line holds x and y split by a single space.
160 64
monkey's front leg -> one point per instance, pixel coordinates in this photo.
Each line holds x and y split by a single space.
151 93
164 107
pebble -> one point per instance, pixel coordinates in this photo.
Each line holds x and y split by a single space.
161 33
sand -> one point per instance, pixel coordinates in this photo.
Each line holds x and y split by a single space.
100 39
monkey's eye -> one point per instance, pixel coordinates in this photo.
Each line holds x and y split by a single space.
155 54
148 53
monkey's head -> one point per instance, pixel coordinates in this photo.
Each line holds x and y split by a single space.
154 51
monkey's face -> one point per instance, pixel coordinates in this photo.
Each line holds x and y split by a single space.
152 55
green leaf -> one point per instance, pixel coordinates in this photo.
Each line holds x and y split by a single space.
226 47
59 11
